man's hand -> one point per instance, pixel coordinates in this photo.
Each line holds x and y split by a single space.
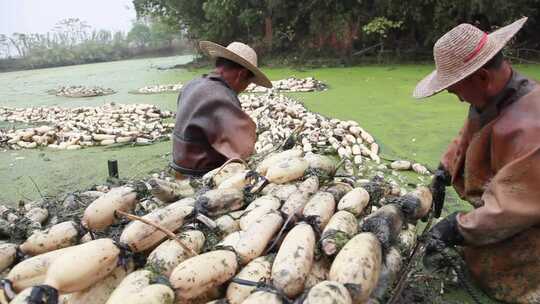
444 234
438 186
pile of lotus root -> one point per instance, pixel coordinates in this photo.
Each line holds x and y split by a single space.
287 225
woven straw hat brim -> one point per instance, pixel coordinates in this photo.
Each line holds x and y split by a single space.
434 83
214 50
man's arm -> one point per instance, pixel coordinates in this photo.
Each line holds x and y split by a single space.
511 203
512 198
230 130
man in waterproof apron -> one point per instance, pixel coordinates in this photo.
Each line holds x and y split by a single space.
494 163
210 124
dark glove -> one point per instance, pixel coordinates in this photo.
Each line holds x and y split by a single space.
444 234
440 181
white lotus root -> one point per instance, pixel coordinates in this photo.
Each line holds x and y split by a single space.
81 91
291 84
160 88
420 169
401 165
277 117
74 128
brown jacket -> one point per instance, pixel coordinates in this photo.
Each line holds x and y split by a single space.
210 127
495 165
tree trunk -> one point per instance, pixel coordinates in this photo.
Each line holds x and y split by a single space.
268 32
334 41
351 34
320 42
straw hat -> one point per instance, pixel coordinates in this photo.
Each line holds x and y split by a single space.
461 52
239 53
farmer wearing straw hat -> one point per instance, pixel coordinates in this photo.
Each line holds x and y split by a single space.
210 124
494 163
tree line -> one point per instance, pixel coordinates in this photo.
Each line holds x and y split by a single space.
73 41
341 27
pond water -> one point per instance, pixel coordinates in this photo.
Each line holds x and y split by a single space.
23 172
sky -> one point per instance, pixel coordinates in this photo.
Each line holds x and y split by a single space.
40 16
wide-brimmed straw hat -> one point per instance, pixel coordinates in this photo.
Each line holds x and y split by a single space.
240 53
461 52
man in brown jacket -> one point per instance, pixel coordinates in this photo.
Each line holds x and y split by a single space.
494 163
210 124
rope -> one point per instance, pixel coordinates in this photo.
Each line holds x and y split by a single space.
463 279
254 179
262 285
277 292
290 141
232 160
169 233
280 233
231 248
418 250
246 282
313 221
258 179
